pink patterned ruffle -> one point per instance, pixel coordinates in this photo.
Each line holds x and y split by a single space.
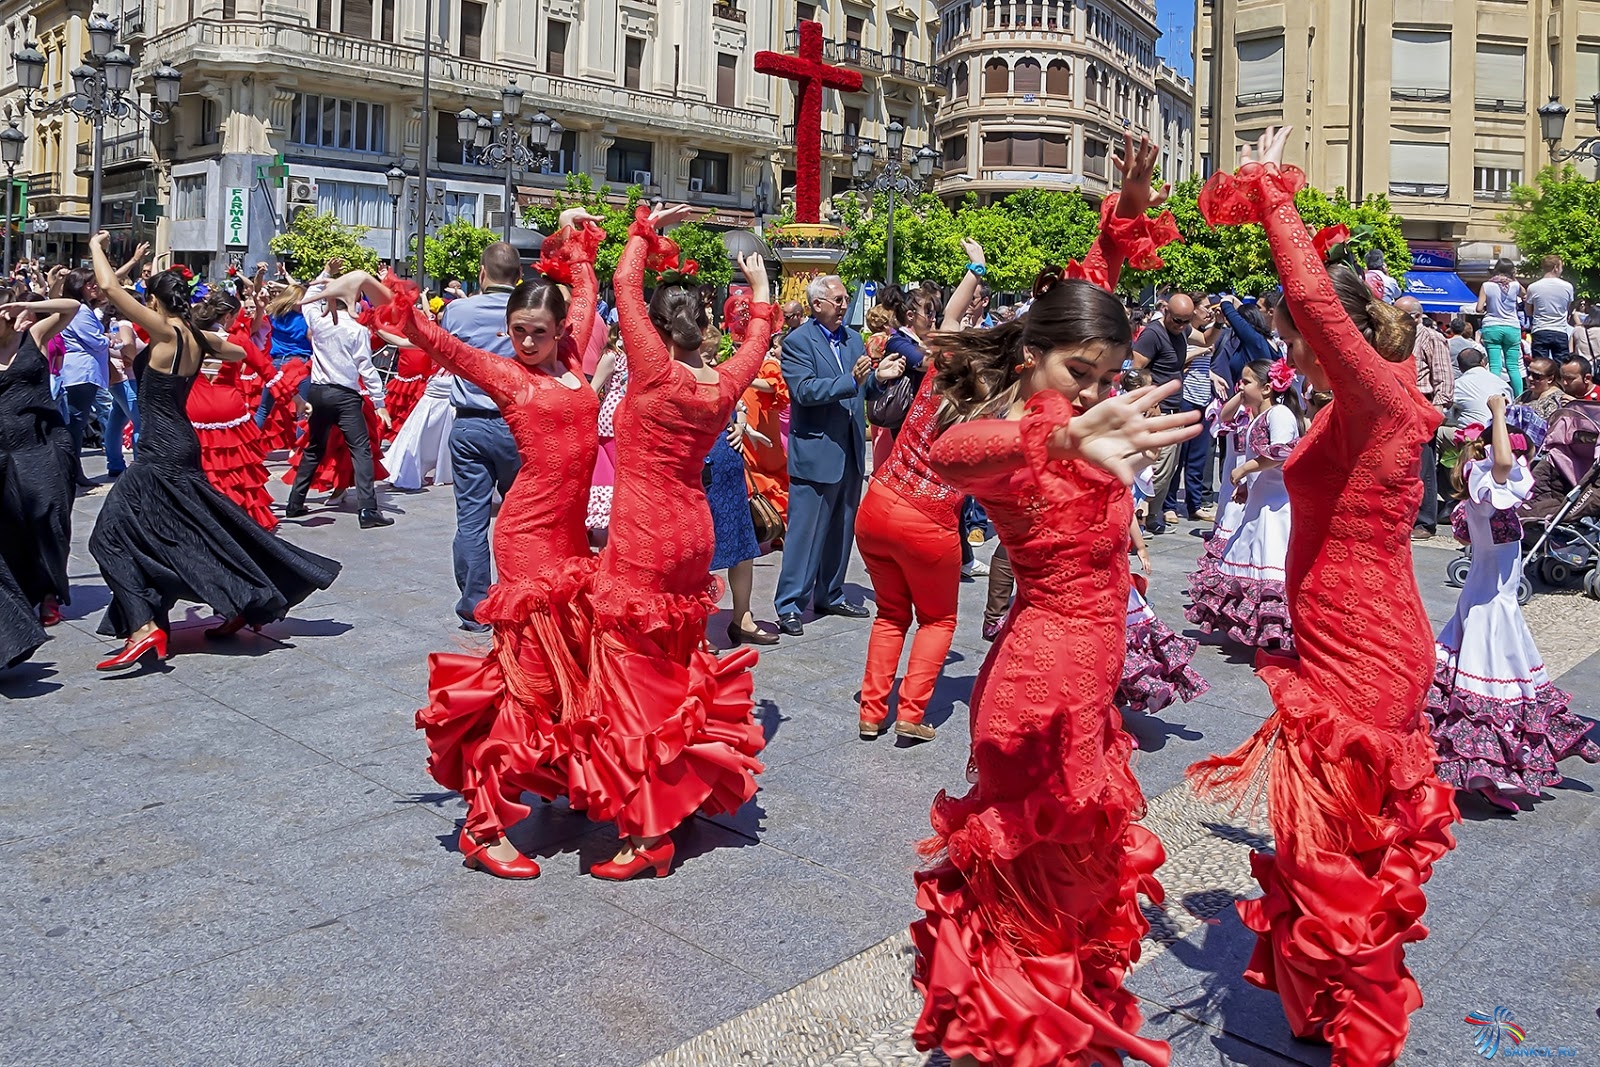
1516 743
1254 613
1157 668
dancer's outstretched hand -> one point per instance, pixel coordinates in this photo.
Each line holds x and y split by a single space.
576 217
1137 165
755 272
1267 150
662 217
1121 437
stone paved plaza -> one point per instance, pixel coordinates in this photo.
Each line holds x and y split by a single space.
240 860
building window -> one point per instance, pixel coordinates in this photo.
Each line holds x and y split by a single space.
1494 174
1260 71
854 26
446 147
1027 77
1588 64
996 78
324 14
350 125
555 47
353 204
805 13
563 156
1058 80
1419 169
188 197
727 79
955 152
472 16
628 163
356 18
386 31
963 86
852 128
632 61
1095 154
230 9
210 122
1501 78
1057 154
710 169
1421 66
897 46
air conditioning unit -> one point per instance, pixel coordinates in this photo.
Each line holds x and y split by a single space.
697 185
641 177
302 191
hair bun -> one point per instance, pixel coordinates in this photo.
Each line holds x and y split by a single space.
1394 332
1048 279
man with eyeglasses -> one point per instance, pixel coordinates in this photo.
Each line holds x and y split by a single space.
825 364
1162 349
1436 380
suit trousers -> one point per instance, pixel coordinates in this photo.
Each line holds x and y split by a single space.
1428 510
334 405
816 546
915 566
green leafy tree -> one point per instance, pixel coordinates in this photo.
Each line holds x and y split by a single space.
704 245
313 238
581 192
1556 215
455 251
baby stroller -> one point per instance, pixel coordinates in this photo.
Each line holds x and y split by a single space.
1562 521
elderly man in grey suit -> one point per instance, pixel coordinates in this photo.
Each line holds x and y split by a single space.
825 364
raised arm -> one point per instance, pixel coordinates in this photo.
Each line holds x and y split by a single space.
126 303
649 358
50 317
1127 234
966 291
126 270
735 376
503 379
567 257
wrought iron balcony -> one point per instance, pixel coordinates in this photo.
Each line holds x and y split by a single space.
1262 99
729 11
1517 107
44 185
854 54
1431 190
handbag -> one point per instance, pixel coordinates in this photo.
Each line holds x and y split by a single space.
890 407
766 518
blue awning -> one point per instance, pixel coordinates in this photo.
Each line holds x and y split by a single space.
1440 291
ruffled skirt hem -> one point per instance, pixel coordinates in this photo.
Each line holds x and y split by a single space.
1158 668
1250 612
1512 743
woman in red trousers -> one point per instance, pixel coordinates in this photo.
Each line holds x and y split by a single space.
492 719
1358 815
1032 914
667 729
907 533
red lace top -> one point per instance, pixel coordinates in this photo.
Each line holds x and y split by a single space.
908 470
656 563
1362 636
540 524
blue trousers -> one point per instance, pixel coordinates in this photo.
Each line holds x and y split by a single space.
1192 462
817 542
78 405
484 457
124 410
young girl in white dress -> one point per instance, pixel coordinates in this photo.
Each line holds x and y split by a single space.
1157 665
1239 592
1499 724
1233 424
422 447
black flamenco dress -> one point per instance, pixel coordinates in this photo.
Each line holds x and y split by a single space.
165 534
20 632
36 476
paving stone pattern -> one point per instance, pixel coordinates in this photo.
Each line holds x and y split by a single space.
239 859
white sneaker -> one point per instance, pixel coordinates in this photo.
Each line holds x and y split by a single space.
975 569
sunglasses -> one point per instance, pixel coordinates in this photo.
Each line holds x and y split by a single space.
1540 377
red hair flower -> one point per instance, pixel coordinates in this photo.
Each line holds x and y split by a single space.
1330 241
1281 377
186 273
690 268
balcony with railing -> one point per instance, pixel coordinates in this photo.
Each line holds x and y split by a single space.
853 54
729 11
117 153
1498 196
1261 99
1429 190
1515 107
43 185
1411 94
832 143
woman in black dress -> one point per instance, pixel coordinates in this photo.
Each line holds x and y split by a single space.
164 533
37 467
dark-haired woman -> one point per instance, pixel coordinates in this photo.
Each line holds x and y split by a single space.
1358 815
85 367
232 452
491 720
667 730
1032 914
165 534
36 464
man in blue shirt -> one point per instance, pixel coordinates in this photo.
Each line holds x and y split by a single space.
483 453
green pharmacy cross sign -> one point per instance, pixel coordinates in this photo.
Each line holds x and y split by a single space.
150 210
277 173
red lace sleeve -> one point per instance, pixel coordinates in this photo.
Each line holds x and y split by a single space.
503 379
567 257
739 371
649 358
1250 195
661 251
976 454
1136 241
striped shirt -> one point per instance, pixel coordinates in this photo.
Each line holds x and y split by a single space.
1197 385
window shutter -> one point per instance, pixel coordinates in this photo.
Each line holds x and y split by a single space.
1026 150
1056 151
1058 80
1415 163
471 29
1501 75
1421 65
1588 74
1027 76
996 149
357 21
727 79
1261 69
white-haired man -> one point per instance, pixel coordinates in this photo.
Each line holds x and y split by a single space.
825 365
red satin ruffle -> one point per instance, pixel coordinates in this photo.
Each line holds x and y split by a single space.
667 731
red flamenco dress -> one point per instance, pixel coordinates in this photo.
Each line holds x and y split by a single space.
337 472
1358 815
282 426
667 729
231 449
1032 915
401 393
253 377
491 720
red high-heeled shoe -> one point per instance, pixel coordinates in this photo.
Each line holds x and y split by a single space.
50 612
659 857
153 642
476 855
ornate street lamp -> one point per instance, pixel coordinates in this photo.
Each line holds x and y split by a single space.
12 142
893 179
1552 124
496 142
397 188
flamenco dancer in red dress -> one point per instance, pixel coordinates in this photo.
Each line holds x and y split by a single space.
1358 815
1032 915
667 729
232 451
491 719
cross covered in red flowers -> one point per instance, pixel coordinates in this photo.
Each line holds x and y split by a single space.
810 75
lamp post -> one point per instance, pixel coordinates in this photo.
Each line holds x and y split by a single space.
497 143
397 188
12 141
100 91
1552 123
893 179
